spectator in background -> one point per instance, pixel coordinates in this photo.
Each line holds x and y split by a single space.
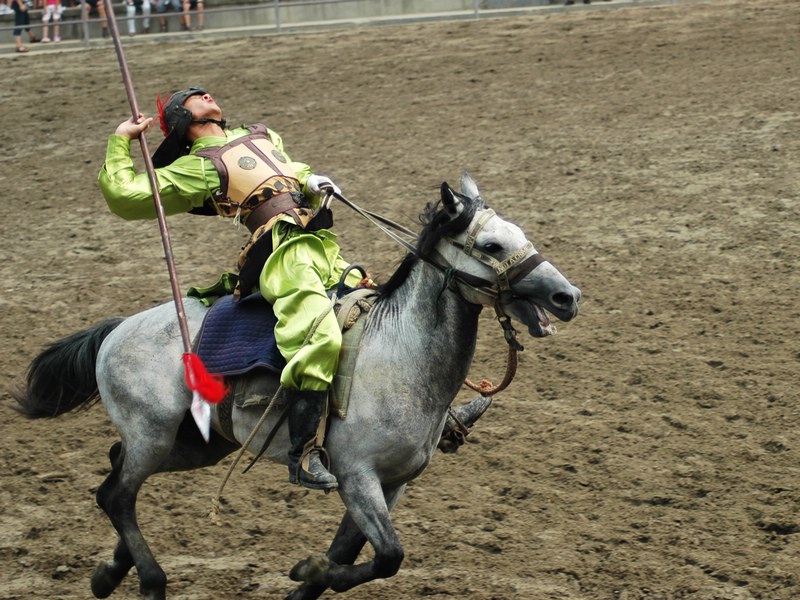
97 8
197 5
52 10
161 8
22 20
130 7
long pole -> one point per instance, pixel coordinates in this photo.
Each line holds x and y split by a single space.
204 386
148 163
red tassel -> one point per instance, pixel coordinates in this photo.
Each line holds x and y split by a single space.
211 387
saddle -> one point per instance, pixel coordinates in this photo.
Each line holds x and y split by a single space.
237 337
236 340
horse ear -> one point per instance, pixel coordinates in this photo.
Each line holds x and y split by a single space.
469 188
451 202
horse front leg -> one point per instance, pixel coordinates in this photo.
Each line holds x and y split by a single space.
108 575
367 519
344 549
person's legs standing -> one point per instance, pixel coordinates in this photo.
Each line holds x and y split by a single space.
161 8
21 18
46 24
146 15
57 10
196 5
130 13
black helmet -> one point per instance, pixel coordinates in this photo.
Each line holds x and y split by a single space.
174 117
175 120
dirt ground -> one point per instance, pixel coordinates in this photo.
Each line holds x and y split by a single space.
649 450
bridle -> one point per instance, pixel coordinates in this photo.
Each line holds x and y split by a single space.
508 271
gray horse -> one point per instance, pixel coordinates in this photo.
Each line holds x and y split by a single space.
416 350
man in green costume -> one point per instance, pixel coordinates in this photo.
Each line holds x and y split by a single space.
203 167
244 173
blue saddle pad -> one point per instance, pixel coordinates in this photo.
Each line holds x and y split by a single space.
238 337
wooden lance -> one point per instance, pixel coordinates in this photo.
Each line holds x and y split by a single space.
206 388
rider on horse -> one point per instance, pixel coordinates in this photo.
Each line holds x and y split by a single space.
203 167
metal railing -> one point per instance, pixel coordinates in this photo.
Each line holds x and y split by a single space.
278 15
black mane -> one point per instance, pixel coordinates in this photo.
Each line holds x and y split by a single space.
436 224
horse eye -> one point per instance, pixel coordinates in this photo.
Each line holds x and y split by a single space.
492 248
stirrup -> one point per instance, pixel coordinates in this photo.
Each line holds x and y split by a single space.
317 477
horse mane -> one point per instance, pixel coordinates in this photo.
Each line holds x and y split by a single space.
436 224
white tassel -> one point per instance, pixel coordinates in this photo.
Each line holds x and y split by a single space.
201 411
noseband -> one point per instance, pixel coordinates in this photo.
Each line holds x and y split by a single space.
509 271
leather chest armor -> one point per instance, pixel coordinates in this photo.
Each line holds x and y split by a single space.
252 172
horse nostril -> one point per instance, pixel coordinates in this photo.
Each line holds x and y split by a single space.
564 299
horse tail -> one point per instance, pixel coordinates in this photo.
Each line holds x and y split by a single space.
63 376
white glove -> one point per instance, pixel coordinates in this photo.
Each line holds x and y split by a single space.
317 182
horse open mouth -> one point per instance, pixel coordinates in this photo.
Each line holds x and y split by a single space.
527 312
541 325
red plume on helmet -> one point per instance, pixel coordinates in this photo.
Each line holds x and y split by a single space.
174 120
160 104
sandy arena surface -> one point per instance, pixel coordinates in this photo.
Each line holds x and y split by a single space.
650 450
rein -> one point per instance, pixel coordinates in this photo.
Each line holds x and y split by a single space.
509 271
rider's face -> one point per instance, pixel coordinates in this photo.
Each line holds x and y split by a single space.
203 106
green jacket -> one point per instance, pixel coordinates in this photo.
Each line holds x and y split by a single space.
185 184
295 277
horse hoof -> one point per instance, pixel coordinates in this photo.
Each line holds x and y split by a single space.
103 583
454 435
312 570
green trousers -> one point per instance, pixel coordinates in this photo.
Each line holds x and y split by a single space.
295 279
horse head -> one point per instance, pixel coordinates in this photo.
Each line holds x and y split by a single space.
494 264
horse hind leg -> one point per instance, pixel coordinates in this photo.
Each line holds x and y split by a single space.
108 575
130 467
189 451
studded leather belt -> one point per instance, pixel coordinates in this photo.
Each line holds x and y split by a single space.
269 209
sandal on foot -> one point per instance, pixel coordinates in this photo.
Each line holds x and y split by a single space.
22 49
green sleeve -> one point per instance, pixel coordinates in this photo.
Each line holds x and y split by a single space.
183 185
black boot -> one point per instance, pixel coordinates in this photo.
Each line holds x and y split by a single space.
458 424
305 411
